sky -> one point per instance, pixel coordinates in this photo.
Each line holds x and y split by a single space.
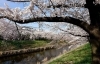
15 4
11 4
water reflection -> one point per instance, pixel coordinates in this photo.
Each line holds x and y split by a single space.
34 58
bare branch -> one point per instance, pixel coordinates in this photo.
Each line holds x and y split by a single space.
73 33
68 31
17 29
67 5
19 0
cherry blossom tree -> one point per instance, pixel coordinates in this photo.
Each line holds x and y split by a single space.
7 29
68 11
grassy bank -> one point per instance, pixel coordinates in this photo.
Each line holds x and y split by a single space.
14 45
81 55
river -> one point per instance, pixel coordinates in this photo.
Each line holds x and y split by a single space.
40 57
34 58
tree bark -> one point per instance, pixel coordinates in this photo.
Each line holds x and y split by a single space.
94 38
95 46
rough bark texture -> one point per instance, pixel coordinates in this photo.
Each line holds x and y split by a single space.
95 45
94 10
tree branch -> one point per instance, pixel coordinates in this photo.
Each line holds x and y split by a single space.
67 19
83 24
67 5
19 1
67 31
17 29
73 33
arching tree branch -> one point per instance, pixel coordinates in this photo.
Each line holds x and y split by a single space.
85 26
67 19
67 5
19 1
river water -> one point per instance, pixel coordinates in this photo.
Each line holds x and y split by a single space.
34 58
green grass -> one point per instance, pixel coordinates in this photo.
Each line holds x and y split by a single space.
24 44
81 55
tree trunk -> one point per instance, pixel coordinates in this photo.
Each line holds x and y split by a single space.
95 45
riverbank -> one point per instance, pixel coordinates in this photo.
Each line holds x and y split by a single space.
80 55
23 51
9 48
23 44
39 57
